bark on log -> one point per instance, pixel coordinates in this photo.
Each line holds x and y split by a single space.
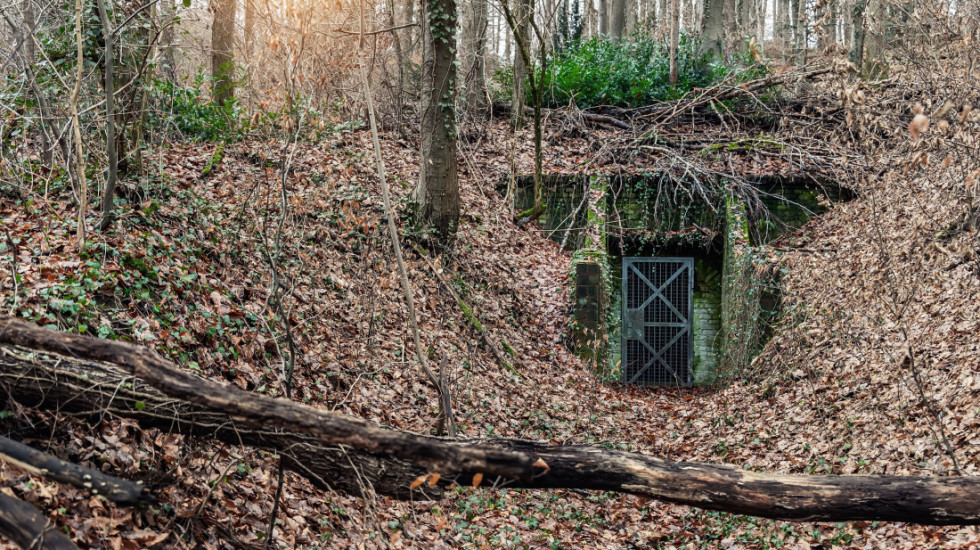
114 489
96 390
937 501
26 527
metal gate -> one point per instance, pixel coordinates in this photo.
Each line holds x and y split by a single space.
657 331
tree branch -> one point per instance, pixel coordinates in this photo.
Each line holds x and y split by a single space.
42 464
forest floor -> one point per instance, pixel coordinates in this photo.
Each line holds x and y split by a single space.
883 285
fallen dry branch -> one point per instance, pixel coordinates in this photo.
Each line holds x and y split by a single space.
114 489
516 463
699 101
27 527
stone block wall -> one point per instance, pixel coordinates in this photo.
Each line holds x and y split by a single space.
707 318
707 328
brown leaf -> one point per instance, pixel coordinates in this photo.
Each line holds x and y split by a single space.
433 479
919 124
418 482
477 479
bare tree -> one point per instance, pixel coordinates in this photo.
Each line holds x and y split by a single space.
713 27
876 21
222 50
675 24
524 51
799 32
77 127
167 19
523 12
110 117
26 34
437 193
617 18
783 29
856 51
475 57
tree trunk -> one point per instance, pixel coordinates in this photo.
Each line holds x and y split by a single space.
761 13
525 52
675 24
731 27
248 45
874 40
508 462
783 30
799 32
151 42
408 37
855 53
222 51
713 27
398 107
76 125
829 37
508 50
168 20
474 48
591 19
633 8
437 193
110 118
617 18
26 32
663 20
249 30
745 24
694 11
524 11
603 17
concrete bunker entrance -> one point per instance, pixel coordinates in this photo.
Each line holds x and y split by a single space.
604 219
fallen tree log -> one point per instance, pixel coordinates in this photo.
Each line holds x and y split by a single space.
27 527
96 390
528 464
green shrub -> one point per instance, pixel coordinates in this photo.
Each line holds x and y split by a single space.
188 112
629 73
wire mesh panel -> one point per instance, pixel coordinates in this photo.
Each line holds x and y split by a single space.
657 332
